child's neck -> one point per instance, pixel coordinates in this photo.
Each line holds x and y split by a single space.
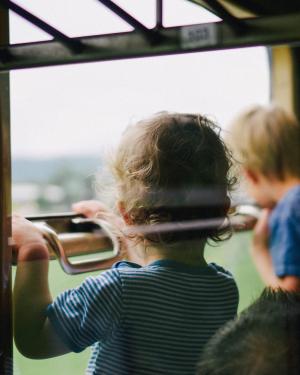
186 252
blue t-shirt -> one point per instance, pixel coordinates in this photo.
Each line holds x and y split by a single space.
145 320
285 234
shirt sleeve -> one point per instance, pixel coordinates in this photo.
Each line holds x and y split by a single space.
89 313
285 245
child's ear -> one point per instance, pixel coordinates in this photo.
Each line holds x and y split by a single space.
251 175
124 213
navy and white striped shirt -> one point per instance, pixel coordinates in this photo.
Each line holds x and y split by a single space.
145 320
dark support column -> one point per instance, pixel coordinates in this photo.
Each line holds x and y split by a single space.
5 213
296 80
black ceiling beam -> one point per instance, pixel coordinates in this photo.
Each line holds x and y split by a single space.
151 35
283 29
159 14
74 45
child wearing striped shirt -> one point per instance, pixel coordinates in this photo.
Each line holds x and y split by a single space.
154 313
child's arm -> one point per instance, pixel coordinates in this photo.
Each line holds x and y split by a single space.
34 335
263 261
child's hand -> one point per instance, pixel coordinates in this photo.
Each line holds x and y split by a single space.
90 208
27 240
93 208
260 251
261 230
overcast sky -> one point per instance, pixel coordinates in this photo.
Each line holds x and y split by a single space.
82 109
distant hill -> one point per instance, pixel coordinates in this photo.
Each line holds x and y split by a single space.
39 170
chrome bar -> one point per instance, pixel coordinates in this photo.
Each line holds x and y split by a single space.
77 267
64 241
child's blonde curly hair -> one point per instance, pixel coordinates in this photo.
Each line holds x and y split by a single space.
174 168
266 139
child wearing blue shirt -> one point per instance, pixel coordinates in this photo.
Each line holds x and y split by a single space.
266 141
153 315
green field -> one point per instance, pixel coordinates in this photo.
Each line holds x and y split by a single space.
233 255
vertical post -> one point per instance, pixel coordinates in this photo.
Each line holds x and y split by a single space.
159 14
282 76
5 212
296 79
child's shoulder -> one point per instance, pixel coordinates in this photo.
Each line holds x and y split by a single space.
292 195
126 266
220 270
288 206
122 268
170 266
172 276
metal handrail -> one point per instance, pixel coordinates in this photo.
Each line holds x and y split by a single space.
65 241
65 245
76 244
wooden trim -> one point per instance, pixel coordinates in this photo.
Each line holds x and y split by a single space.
5 212
282 77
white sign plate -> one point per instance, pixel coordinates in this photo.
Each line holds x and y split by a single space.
198 36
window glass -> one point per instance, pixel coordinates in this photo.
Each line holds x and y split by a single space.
66 120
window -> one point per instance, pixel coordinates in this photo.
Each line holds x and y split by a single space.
66 121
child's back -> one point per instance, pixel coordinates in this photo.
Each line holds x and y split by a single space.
147 320
154 316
